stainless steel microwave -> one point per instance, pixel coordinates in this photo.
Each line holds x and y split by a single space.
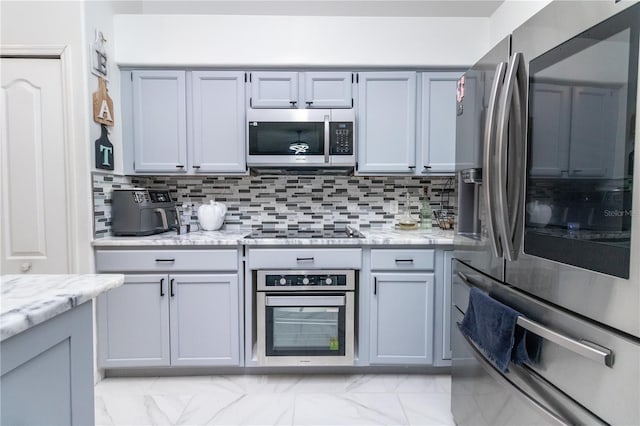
299 140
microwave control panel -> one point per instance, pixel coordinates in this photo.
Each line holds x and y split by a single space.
341 138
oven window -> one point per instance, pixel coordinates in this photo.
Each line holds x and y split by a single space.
582 106
305 330
290 138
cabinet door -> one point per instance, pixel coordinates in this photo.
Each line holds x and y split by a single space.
438 139
402 318
205 322
446 303
550 121
217 114
386 122
271 89
470 114
133 323
328 90
593 130
159 121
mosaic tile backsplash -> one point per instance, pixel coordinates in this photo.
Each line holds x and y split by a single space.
289 201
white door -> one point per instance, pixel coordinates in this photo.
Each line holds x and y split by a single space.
33 205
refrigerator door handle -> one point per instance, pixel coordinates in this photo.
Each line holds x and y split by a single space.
489 137
513 86
583 348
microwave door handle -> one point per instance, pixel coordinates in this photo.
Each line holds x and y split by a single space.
326 139
489 139
502 137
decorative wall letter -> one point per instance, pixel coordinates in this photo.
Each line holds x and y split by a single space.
104 151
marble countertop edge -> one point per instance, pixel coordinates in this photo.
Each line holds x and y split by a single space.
372 237
30 299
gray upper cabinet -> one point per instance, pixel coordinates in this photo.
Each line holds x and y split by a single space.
204 319
438 123
133 323
328 89
217 122
274 89
318 89
159 121
386 122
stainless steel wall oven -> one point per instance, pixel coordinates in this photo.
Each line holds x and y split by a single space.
305 317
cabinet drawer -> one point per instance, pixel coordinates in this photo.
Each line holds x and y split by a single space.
166 260
406 260
305 258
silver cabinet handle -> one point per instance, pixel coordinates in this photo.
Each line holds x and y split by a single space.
487 167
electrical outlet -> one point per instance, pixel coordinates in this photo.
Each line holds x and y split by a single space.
393 207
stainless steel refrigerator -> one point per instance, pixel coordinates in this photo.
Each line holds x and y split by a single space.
545 153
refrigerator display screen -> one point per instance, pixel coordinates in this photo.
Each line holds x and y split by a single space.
582 103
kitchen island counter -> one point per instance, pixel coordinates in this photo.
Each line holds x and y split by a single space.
46 326
28 300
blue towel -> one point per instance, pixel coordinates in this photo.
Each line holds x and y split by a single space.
492 326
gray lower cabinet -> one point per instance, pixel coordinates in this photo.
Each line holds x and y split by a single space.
402 318
170 319
47 372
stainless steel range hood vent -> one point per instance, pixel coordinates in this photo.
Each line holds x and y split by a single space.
301 170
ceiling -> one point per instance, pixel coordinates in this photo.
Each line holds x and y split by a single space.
417 8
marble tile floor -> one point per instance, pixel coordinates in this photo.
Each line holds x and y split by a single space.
371 399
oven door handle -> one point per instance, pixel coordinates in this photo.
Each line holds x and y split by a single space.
298 301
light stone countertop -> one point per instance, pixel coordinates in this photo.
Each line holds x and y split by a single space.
28 300
236 237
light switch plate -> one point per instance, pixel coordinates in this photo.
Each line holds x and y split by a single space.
393 207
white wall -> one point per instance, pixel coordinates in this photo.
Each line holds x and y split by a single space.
510 15
272 41
99 15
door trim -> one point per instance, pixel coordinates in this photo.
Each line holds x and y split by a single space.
61 53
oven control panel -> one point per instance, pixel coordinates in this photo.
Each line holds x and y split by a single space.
333 280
